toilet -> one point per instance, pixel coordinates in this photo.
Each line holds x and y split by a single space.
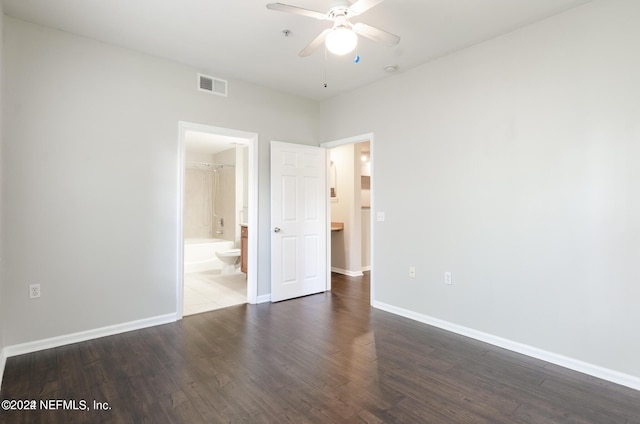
230 259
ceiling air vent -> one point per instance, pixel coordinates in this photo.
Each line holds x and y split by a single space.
212 85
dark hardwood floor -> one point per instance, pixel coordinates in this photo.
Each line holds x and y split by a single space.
319 359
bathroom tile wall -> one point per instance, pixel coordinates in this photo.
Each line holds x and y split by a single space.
201 215
226 207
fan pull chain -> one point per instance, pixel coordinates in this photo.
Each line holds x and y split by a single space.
325 66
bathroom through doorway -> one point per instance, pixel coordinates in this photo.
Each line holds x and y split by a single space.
218 189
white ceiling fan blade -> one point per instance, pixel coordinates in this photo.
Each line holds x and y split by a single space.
376 34
297 10
362 6
312 46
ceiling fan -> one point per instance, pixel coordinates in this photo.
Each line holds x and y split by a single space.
342 37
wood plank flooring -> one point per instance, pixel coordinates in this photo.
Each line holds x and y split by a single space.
327 358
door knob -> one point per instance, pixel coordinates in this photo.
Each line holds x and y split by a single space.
276 230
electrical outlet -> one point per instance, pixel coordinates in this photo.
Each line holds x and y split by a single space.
412 271
34 291
447 277
380 217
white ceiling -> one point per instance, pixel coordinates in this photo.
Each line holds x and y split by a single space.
200 142
242 39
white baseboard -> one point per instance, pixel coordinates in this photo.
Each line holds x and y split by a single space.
554 358
81 336
265 298
366 268
346 272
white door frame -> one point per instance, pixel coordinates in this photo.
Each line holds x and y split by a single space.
252 275
341 142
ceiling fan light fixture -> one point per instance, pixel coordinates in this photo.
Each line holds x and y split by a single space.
341 40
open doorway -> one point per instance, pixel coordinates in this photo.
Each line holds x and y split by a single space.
218 191
350 205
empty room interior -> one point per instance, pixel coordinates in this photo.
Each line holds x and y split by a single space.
320 211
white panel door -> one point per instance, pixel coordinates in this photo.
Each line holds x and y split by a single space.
298 220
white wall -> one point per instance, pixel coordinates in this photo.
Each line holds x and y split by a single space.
2 315
515 164
90 167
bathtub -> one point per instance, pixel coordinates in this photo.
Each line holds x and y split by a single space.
200 254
